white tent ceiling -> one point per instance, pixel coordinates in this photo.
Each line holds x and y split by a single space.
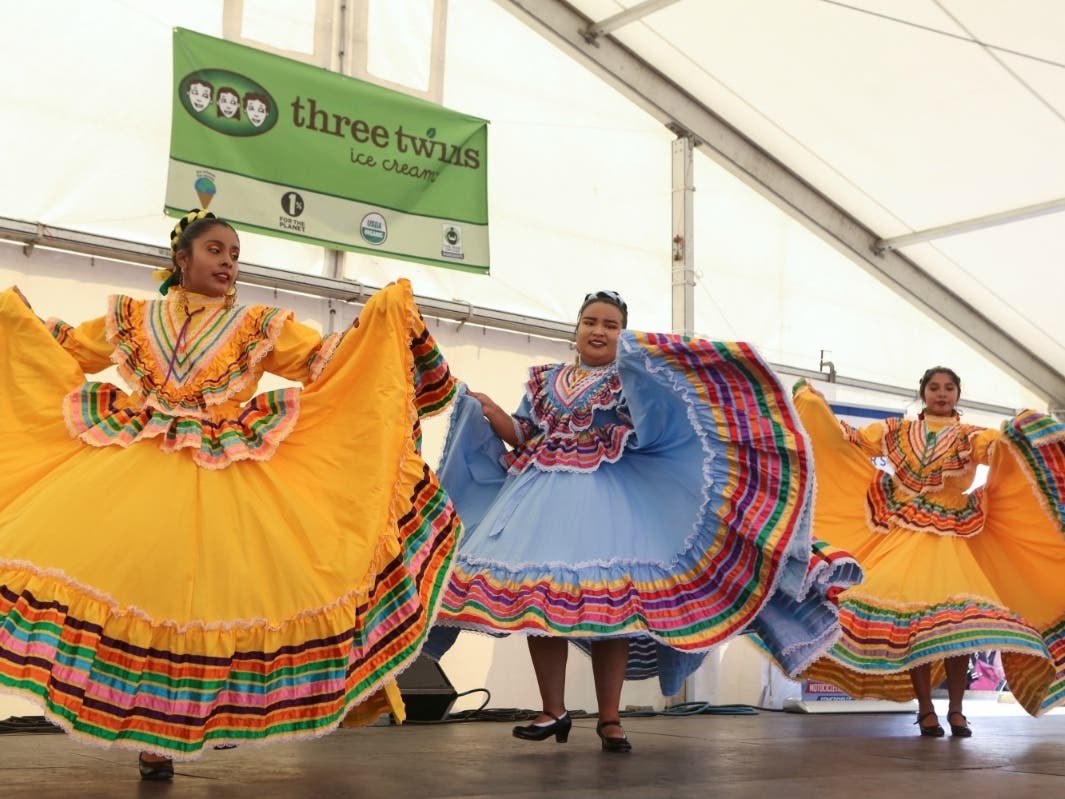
871 120
862 120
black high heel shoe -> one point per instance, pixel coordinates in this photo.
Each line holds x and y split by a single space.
934 731
963 730
612 744
155 771
560 728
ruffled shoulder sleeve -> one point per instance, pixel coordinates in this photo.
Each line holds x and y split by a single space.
299 353
535 387
982 440
87 343
524 426
869 439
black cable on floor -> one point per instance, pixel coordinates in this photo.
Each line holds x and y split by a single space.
692 709
705 708
35 724
514 714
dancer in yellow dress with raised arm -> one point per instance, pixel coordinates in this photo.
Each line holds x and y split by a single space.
191 563
948 571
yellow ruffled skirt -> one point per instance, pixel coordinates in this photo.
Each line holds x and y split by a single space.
152 604
926 597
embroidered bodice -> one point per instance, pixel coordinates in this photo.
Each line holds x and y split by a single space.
933 461
187 355
192 366
572 419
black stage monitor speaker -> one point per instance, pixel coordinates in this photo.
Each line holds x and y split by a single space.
426 690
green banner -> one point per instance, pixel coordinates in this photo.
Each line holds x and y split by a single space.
288 149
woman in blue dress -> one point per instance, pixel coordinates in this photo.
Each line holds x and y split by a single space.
654 502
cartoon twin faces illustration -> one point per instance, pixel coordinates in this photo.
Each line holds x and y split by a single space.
200 94
256 106
228 103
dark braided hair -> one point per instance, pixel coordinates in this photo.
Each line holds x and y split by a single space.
189 228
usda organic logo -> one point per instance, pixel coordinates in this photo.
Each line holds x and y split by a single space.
373 228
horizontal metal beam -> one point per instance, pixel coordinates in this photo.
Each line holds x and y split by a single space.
903 392
969 225
667 102
31 235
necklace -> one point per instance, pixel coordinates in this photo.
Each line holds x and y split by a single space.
188 313
585 367
180 337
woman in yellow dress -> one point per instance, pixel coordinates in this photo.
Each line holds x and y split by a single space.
191 563
948 571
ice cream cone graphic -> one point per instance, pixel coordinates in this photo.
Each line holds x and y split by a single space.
205 190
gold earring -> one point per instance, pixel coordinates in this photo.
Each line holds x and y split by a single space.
231 296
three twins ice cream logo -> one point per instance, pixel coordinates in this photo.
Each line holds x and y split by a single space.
228 102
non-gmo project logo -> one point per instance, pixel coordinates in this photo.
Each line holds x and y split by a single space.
228 102
451 242
373 228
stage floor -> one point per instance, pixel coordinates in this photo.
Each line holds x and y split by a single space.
707 756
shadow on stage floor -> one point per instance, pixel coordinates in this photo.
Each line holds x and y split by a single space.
760 755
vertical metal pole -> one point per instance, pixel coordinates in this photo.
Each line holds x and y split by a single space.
338 24
683 271
334 268
683 299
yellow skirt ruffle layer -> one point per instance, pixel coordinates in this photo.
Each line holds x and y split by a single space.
926 597
152 604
